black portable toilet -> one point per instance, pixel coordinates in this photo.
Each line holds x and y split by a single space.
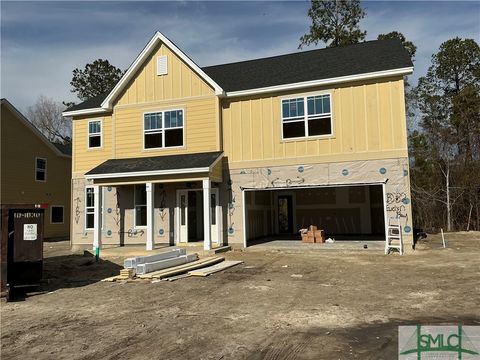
22 243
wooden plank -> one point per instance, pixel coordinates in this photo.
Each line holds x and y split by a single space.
182 268
215 268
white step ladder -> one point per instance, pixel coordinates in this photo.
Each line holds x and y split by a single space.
394 238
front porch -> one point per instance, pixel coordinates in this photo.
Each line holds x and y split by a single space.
155 207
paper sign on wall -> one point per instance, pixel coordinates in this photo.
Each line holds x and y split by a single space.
29 231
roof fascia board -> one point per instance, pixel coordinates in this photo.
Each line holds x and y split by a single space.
32 127
147 173
158 37
84 112
336 80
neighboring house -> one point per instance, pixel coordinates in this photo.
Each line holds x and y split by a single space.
35 170
227 154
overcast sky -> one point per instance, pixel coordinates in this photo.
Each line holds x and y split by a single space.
42 42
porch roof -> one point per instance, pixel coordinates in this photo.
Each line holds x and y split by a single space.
156 165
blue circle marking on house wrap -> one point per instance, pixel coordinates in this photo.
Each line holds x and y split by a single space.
344 172
407 229
301 169
109 232
269 171
382 171
109 210
406 201
109 188
231 230
405 172
161 231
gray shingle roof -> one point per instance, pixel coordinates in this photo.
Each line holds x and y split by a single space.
156 163
370 56
366 57
63 148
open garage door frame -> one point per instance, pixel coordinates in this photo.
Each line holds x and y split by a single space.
244 190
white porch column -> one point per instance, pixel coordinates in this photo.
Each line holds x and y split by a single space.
150 190
97 217
207 219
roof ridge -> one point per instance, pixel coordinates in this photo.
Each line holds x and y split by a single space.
300 52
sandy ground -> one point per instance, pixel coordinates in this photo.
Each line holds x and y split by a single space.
279 304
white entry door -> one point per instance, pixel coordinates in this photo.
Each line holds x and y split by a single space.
185 211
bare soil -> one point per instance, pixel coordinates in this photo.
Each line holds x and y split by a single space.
284 304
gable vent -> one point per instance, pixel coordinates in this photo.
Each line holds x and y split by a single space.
162 65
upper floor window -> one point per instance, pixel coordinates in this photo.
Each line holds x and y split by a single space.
94 134
163 129
307 116
40 169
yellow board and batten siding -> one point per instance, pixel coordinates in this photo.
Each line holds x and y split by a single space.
368 123
122 133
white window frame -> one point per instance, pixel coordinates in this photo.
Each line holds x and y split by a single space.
163 147
37 169
135 226
95 134
92 208
306 117
51 213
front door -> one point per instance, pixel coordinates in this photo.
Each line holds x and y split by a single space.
285 214
190 215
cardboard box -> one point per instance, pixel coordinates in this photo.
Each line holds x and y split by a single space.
312 228
319 236
308 237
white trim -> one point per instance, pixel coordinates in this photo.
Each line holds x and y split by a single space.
84 112
329 81
44 170
95 134
207 220
148 173
163 147
157 37
244 218
32 127
63 214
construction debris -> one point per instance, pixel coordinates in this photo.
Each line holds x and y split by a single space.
215 268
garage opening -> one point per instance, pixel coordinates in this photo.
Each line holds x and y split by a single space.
343 212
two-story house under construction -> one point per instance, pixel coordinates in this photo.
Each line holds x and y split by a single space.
232 153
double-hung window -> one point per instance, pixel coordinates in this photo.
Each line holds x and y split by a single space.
140 196
163 129
94 134
40 169
307 116
89 208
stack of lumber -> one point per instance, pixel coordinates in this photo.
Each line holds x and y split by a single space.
182 268
214 268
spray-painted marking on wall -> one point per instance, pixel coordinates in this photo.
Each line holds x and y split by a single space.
287 182
77 209
231 205
163 212
396 204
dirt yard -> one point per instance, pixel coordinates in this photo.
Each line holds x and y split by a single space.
277 305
